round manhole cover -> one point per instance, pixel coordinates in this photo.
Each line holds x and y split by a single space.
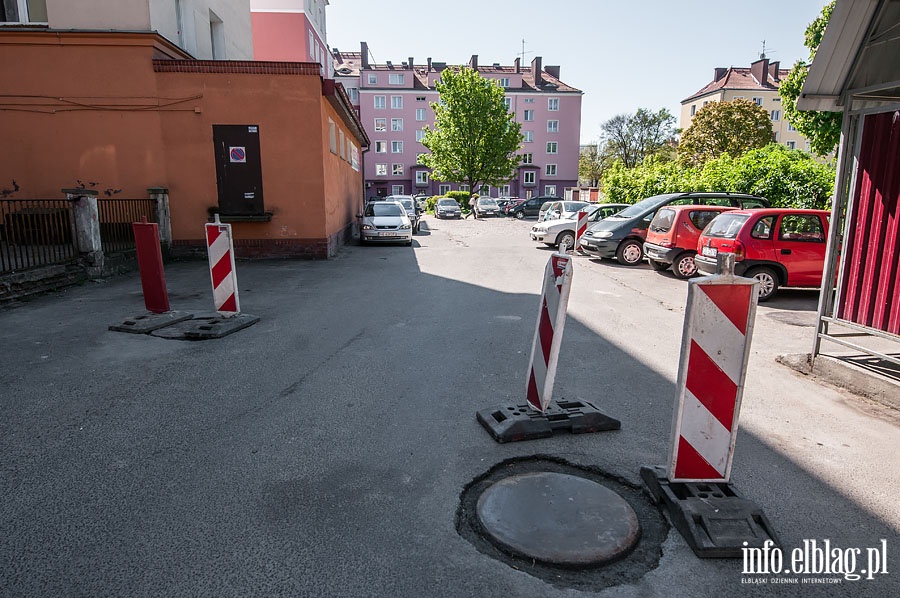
559 519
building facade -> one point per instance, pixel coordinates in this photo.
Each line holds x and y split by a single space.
292 31
759 84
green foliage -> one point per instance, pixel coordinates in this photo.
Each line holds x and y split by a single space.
787 178
721 128
431 202
461 197
632 138
475 138
823 129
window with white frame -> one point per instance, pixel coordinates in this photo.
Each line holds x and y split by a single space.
776 115
528 136
550 190
791 144
420 134
553 104
373 79
808 145
791 128
396 147
353 94
693 109
552 147
504 190
420 98
397 190
550 170
381 147
396 102
332 136
757 101
380 103
528 158
739 97
775 138
422 177
420 114
395 79
529 115
396 124
553 126
504 81
342 143
381 170
381 124
528 178
529 100
397 169
463 187
507 102
443 189
23 11
354 157
312 40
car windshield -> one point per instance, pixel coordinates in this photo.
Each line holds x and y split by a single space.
378 208
663 220
487 201
643 206
573 206
407 203
447 203
726 226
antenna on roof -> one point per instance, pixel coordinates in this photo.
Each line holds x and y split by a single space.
762 54
523 53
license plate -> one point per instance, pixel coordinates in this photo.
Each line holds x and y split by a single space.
388 235
709 251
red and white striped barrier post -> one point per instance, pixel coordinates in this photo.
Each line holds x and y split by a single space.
221 267
548 333
580 228
718 328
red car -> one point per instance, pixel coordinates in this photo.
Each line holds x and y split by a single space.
777 247
672 237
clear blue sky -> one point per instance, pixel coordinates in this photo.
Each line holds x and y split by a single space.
622 54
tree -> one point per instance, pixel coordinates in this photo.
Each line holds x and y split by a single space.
632 138
475 137
591 164
724 128
823 129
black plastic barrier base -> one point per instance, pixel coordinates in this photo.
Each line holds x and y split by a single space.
511 423
714 520
148 322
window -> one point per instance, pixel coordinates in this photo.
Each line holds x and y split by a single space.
420 114
397 190
395 79
551 170
420 134
342 144
801 227
791 128
528 178
396 147
349 153
504 190
552 147
504 81
420 98
529 100
422 177
529 115
553 126
763 228
23 11
776 114
380 103
528 158
529 136
397 169
332 136
396 124
381 147
381 124
553 104
396 102
507 102
757 101
463 187
354 157
550 190
443 189
373 78
353 92
693 109
791 144
738 97
381 170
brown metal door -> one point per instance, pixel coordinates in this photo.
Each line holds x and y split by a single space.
238 169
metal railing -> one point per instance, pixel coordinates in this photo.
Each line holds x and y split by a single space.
116 216
36 232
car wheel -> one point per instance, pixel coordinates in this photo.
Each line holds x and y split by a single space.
568 238
684 266
520 215
768 281
630 252
659 266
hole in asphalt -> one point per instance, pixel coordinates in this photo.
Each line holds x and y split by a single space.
631 568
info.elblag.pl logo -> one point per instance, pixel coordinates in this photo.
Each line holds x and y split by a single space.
814 563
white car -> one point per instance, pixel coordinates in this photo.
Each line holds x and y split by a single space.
385 222
554 232
553 210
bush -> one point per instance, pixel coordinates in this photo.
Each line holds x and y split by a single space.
431 202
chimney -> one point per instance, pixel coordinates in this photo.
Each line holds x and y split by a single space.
364 53
760 71
720 72
429 65
536 72
773 71
517 64
473 62
410 62
553 71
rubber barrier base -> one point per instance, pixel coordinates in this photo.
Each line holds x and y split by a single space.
206 326
148 322
512 423
714 520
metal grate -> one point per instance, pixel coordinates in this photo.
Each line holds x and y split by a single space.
35 233
116 216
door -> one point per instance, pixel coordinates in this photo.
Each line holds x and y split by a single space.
238 170
800 246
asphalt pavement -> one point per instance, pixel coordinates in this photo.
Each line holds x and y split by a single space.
324 450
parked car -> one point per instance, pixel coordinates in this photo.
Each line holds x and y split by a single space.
622 236
511 204
422 202
447 207
560 209
486 206
672 237
385 222
778 247
562 230
502 202
411 207
530 207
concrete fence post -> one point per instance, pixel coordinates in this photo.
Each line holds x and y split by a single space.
163 217
87 229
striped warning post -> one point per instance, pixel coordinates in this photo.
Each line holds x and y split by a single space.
221 267
716 344
548 332
580 228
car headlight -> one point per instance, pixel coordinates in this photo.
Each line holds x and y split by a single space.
603 234
368 227
538 229
405 226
